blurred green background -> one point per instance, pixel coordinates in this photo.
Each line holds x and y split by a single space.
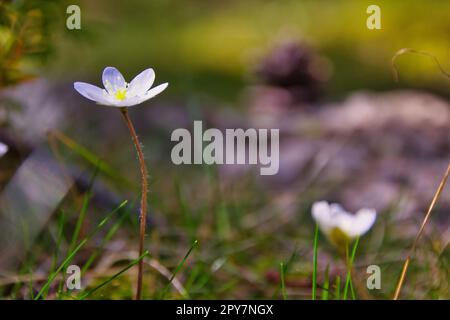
210 48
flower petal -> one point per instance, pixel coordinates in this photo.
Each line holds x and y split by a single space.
154 91
336 210
92 92
3 149
112 80
344 221
132 101
128 102
321 212
141 83
362 222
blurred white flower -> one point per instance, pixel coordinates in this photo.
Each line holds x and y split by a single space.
117 92
339 225
3 149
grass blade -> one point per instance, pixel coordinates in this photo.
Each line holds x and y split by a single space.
107 237
178 268
326 284
350 261
352 291
419 234
59 239
86 199
90 157
283 287
286 267
75 250
132 264
337 288
314 277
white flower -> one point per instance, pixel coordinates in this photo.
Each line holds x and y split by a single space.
3 149
117 92
339 225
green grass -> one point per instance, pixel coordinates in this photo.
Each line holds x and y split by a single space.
113 277
178 268
243 235
235 263
75 250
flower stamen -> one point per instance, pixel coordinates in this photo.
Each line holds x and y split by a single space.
121 94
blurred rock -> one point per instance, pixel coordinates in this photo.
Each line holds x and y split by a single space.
296 70
369 111
38 108
380 150
28 201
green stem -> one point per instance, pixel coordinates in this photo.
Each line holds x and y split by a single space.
349 262
283 286
314 280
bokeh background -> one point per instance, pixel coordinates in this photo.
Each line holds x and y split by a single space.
349 132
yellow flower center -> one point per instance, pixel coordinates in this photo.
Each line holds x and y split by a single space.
121 94
339 239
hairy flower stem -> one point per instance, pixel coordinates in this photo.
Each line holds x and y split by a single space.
143 212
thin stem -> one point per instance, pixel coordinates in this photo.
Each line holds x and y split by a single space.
337 292
419 234
315 249
326 284
409 50
350 260
144 191
283 285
